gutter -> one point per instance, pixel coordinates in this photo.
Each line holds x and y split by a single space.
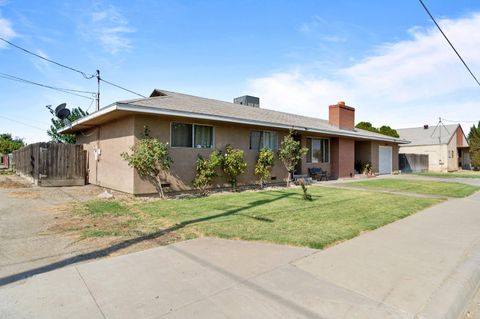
158 111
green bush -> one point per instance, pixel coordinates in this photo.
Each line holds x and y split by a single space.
206 171
233 165
264 165
290 153
151 158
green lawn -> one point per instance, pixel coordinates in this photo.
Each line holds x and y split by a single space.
279 216
418 186
462 174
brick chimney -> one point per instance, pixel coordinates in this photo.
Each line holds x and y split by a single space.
342 116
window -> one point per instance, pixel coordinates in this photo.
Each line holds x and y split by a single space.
318 150
263 139
191 135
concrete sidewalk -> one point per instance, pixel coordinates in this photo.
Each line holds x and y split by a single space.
424 266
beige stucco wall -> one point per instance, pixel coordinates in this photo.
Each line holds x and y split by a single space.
437 155
182 171
109 169
452 154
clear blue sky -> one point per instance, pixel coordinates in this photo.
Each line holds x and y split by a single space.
382 57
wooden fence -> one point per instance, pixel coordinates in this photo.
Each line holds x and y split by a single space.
52 164
413 163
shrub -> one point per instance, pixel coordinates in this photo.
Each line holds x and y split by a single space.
206 171
150 158
290 153
264 165
233 164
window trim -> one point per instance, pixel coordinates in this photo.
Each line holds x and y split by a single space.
193 135
261 131
311 154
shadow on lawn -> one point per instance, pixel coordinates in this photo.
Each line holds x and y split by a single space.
129 242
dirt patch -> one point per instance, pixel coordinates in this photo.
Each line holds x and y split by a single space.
7 182
28 194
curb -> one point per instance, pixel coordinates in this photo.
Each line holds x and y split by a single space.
454 295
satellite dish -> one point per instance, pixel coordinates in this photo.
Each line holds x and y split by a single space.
63 114
60 107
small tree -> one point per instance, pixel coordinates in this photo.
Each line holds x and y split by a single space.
57 124
150 157
9 144
206 171
474 142
290 153
233 164
264 165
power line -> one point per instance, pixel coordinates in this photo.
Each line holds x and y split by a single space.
68 91
446 38
86 76
23 123
452 121
120 87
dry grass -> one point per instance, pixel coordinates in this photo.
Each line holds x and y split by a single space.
24 194
7 182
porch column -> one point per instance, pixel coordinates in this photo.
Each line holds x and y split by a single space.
342 157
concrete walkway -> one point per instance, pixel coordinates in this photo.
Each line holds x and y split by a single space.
424 266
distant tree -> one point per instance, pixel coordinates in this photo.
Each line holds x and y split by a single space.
290 153
474 142
150 158
233 165
264 165
387 130
9 144
367 126
57 124
384 129
206 169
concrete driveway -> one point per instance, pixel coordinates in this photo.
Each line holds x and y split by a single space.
424 266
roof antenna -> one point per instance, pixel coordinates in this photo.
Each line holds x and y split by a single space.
439 126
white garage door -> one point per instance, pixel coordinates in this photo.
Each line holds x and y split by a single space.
385 160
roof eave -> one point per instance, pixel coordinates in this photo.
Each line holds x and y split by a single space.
155 110
130 107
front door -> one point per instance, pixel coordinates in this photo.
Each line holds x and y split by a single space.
385 159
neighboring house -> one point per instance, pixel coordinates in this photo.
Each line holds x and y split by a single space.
195 126
446 146
4 161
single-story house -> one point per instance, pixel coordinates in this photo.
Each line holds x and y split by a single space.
446 146
195 126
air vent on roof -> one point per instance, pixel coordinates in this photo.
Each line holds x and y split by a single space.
157 93
247 100
425 127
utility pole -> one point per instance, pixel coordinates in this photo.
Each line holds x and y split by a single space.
98 90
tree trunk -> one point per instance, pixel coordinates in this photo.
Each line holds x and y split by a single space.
288 179
158 185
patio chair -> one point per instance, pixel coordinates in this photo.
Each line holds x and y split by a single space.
317 173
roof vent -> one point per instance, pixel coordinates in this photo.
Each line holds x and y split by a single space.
425 127
157 93
247 100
